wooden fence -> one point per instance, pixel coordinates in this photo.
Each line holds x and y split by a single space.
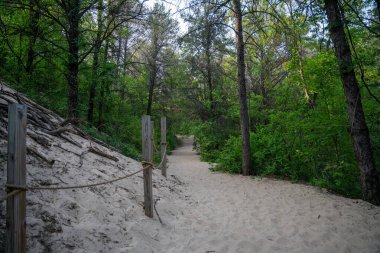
16 174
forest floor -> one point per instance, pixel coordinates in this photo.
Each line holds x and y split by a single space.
232 213
196 210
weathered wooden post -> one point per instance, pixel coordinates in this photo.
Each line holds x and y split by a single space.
147 155
16 175
163 146
152 138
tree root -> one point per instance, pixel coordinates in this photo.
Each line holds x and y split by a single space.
61 130
33 151
155 209
66 138
101 153
39 139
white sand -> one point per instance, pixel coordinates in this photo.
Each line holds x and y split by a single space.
201 211
229 213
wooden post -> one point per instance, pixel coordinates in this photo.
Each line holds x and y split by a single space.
16 175
147 155
152 139
163 145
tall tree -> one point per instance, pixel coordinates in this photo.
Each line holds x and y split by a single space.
101 102
358 128
73 10
34 16
244 119
95 63
205 45
297 23
70 16
162 32
265 51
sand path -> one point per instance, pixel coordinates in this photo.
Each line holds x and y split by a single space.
201 211
231 213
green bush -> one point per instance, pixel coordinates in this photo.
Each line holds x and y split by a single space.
229 158
341 178
117 141
293 147
209 140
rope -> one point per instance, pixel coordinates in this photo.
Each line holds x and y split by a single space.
10 195
147 165
18 188
164 158
155 148
32 188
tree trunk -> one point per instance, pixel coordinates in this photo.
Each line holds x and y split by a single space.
310 98
117 50
33 33
152 72
378 9
95 64
296 44
73 61
244 119
262 79
209 67
126 53
359 132
102 91
152 84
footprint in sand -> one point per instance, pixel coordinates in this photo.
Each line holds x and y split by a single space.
245 247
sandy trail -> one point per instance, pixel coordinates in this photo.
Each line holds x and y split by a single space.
231 213
201 211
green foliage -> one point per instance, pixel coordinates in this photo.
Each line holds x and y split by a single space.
341 178
289 62
187 127
171 140
208 140
292 140
229 158
117 141
284 150
306 149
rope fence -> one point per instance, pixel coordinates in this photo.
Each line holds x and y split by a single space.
10 195
16 170
14 189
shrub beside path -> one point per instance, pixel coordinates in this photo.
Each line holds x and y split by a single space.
232 213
